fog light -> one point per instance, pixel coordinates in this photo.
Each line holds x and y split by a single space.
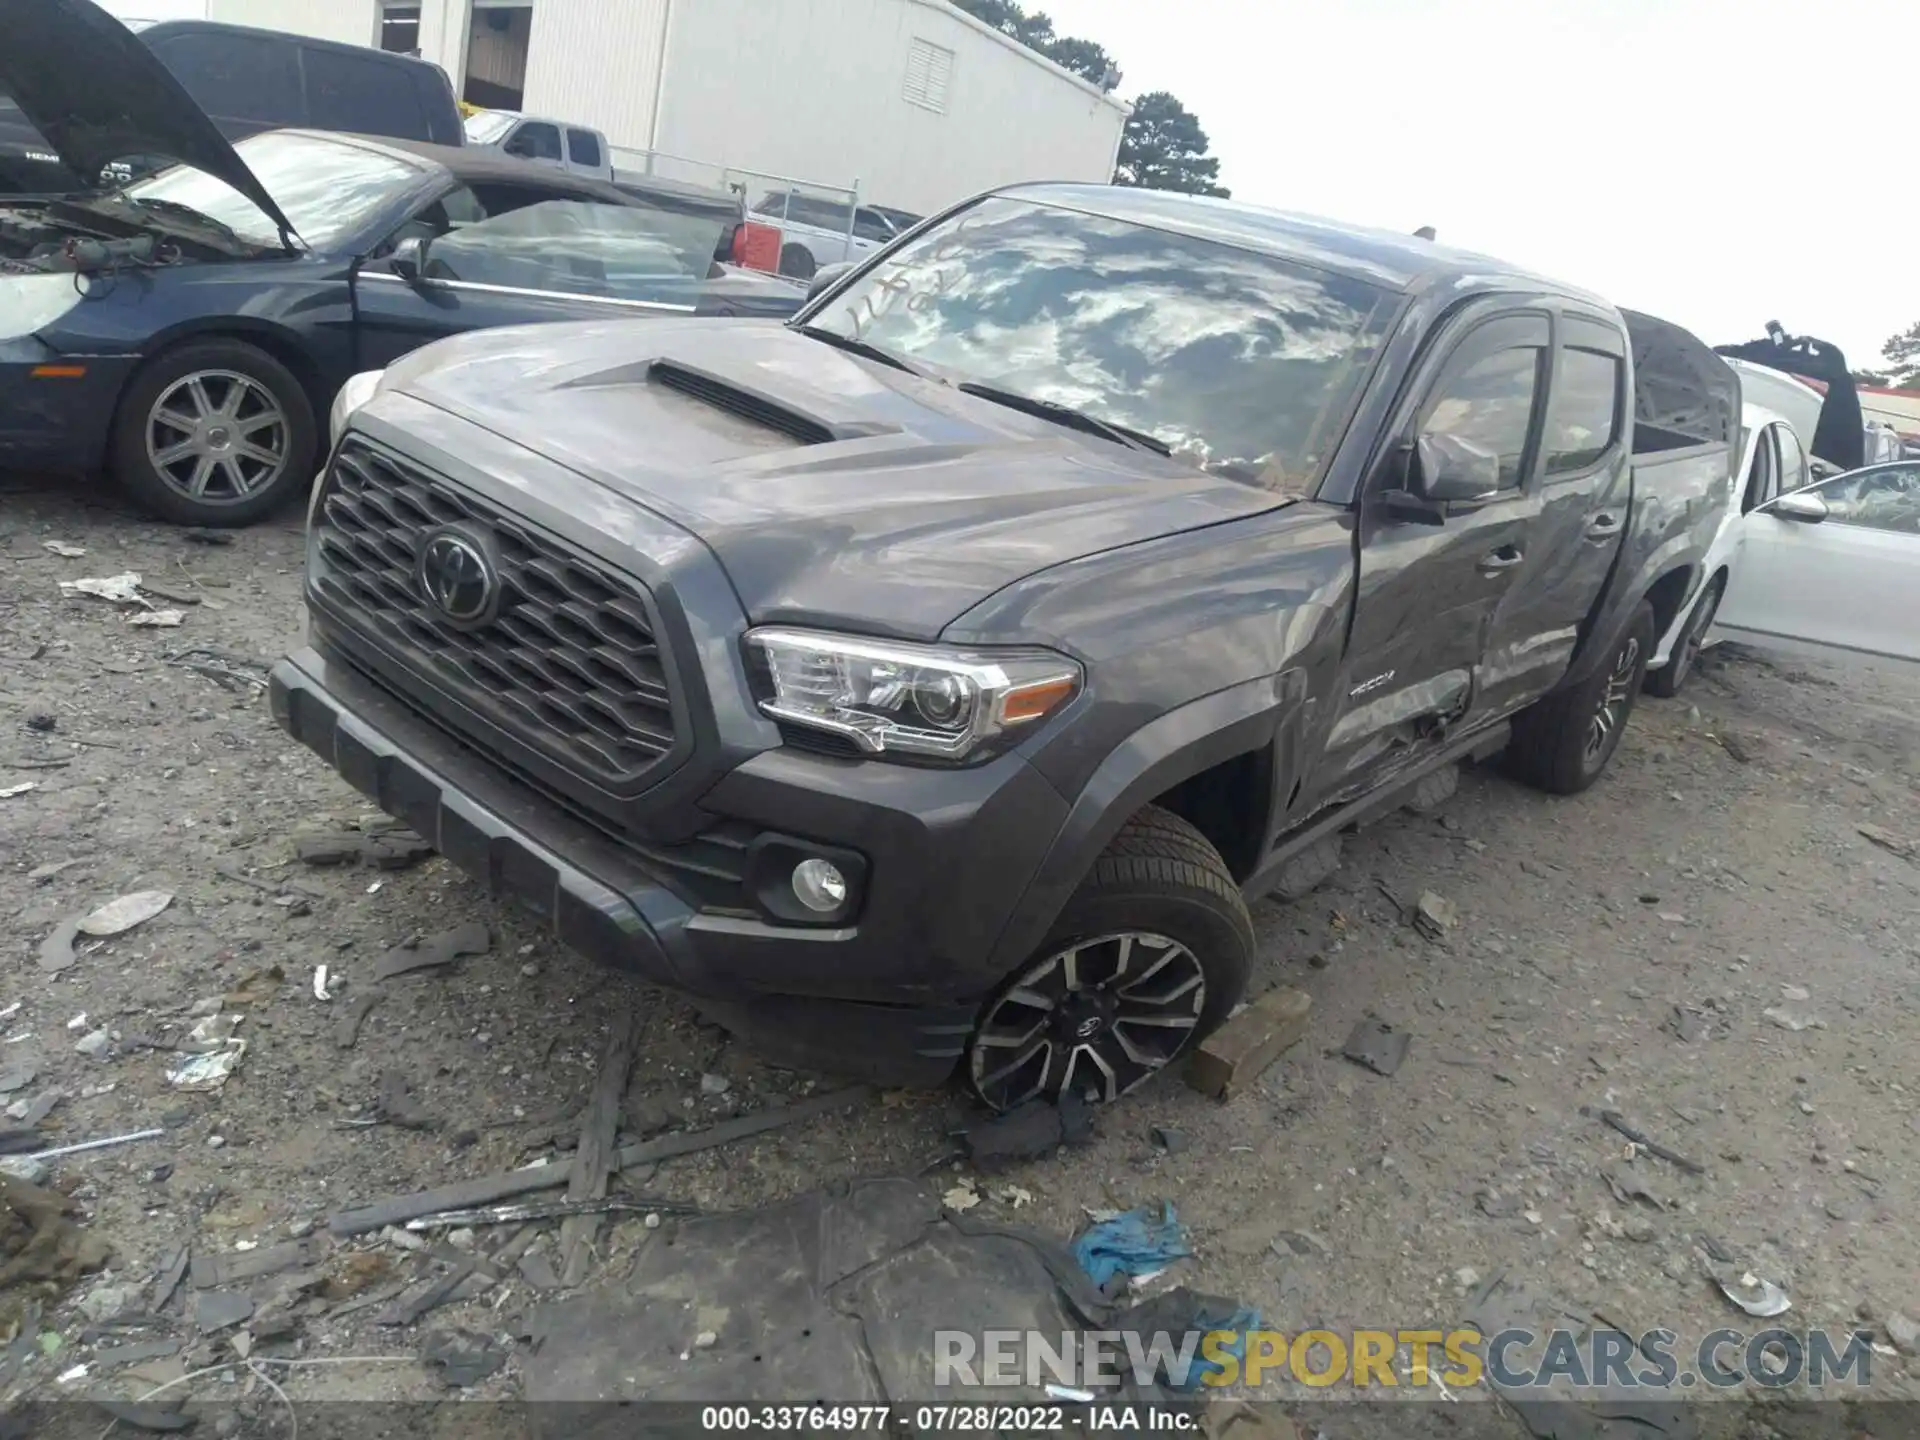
819 885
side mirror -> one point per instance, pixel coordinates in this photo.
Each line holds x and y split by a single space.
826 277
409 260
1799 505
1446 467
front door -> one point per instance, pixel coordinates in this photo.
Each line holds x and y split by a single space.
1430 584
1834 566
513 255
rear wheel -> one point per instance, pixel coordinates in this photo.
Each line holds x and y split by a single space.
1150 954
214 432
797 261
1667 680
1562 743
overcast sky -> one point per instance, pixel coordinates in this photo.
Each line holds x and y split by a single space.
1621 145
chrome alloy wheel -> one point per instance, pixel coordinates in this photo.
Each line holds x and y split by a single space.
1611 713
1095 1019
217 437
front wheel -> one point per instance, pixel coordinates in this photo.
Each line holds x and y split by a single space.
1667 680
796 262
1150 954
214 432
1563 742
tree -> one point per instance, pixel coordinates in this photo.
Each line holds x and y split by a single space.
1035 31
1164 148
1902 354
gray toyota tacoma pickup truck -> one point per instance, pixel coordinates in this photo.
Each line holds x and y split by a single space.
927 683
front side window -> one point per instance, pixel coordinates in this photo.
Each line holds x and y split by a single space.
1487 405
1886 497
327 188
1762 472
1588 398
1244 364
535 142
581 247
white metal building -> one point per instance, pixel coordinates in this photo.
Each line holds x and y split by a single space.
916 101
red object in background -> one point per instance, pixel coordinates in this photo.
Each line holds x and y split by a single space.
757 247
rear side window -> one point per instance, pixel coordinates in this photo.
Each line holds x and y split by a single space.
1585 417
237 77
366 96
535 141
584 147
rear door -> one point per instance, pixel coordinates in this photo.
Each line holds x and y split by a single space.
1841 576
1580 492
1430 584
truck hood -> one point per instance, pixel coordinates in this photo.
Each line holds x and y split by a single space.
97 94
835 490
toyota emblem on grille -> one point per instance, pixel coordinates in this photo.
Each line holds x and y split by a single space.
457 575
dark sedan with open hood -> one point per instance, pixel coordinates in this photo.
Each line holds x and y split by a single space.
186 331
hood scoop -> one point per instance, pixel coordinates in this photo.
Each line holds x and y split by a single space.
754 405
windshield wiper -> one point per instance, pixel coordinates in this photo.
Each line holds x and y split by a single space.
165 209
1067 415
856 346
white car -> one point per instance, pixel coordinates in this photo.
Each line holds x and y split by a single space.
1773 461
1833 567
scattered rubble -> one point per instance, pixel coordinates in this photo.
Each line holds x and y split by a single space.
1435 915
1377 1046
434 951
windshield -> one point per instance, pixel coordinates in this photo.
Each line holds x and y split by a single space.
327 188
487 126
1244 364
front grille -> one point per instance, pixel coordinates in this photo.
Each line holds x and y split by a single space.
569 664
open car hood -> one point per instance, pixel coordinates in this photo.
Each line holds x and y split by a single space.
98 94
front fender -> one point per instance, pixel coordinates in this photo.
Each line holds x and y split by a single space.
1175 747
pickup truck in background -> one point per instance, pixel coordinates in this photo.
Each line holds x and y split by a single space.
927 684
816 232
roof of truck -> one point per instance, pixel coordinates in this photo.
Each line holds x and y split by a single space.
1385 257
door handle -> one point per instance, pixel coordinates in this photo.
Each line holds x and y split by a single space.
1505 558
1605 527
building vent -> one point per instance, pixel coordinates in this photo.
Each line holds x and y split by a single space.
929 68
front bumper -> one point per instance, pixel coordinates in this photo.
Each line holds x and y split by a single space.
891 996
58 420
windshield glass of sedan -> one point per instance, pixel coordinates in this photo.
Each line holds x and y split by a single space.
327 189
1246 365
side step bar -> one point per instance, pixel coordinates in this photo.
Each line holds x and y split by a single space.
1477 746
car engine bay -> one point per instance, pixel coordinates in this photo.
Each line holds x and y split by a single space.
31 244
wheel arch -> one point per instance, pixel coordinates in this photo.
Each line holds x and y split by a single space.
1191 757
275 340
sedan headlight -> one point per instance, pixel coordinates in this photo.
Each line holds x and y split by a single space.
886 697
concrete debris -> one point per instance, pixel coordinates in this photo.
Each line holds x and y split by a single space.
93 1044
462 1357
392 850
116 917
1377 1046
1894 844
56 951
1792 1017
1904 1333
1434 915
218 1310
1232 1058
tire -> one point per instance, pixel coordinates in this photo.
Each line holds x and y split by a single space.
1559 743
1158 891
797 262
174 406
1309 870
1667 680
1434 791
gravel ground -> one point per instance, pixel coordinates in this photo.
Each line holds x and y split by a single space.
1635 949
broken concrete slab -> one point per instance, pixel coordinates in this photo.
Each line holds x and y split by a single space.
1376 1045
217 1310
211 1271
1233 1057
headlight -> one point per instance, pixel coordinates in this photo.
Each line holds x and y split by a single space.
924 700
355 393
